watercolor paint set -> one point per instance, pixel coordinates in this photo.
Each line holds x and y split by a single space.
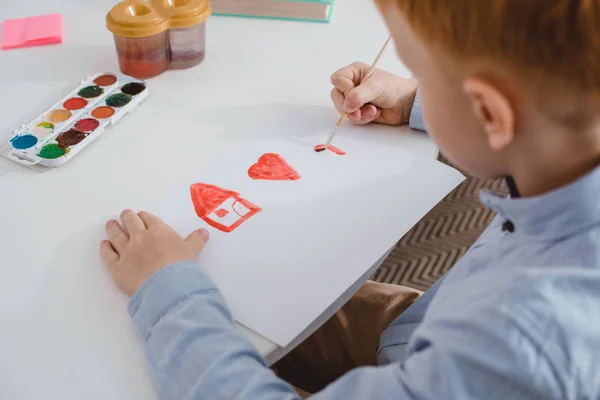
63 130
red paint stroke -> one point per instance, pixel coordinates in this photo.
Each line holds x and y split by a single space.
221 212
211 199
272 167
321 147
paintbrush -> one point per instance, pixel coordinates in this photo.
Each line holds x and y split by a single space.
345 114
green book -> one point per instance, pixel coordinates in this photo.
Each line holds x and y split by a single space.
299 10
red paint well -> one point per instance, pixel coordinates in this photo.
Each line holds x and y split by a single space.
76 103
87 124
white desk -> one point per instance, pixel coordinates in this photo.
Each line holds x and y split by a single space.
64 330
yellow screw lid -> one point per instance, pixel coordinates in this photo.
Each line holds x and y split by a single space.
135 18
139 18
183 13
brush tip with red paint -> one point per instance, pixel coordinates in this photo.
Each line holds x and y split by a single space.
321 147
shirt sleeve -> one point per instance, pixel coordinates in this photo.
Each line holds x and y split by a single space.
416 116
196 353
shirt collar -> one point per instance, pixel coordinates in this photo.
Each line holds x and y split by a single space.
555 214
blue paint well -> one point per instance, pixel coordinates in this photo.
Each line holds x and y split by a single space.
23 142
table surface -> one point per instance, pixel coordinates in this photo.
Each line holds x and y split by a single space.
64 325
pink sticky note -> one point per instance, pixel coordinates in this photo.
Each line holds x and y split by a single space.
32 31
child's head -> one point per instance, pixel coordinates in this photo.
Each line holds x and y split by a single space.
502 81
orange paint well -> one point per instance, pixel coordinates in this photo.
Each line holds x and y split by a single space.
103 112
105 80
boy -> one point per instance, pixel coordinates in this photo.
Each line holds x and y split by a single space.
508 88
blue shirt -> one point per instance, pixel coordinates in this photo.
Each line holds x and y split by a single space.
518 317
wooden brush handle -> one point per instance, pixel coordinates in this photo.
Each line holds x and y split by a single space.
367 75
374 65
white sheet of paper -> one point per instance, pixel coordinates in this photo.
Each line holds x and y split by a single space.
282 267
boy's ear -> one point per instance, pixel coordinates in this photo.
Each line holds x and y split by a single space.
494 111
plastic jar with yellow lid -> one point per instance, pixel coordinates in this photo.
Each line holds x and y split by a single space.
157 35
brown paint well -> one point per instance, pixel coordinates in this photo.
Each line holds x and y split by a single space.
70 137
103 112
105 80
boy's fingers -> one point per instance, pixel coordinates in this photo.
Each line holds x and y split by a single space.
197 240
369 113
338 100
132 222
359 96
108 253
116 235
149 219
341 81
355 116
348 77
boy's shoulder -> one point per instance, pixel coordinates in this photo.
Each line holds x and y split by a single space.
557 303
555 310
536 295
538 324
559 288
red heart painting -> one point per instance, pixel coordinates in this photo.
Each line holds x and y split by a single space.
272 167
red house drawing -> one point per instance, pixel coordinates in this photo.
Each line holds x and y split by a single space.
222 209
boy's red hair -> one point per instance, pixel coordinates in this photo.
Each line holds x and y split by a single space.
559 39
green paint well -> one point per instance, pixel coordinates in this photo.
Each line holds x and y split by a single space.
90 92
118 100
52 151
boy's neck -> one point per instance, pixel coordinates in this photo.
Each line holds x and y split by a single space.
548 156
532 179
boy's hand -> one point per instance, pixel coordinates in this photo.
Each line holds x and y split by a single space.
146 245
383 98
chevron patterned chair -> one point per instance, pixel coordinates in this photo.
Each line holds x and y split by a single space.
441 238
